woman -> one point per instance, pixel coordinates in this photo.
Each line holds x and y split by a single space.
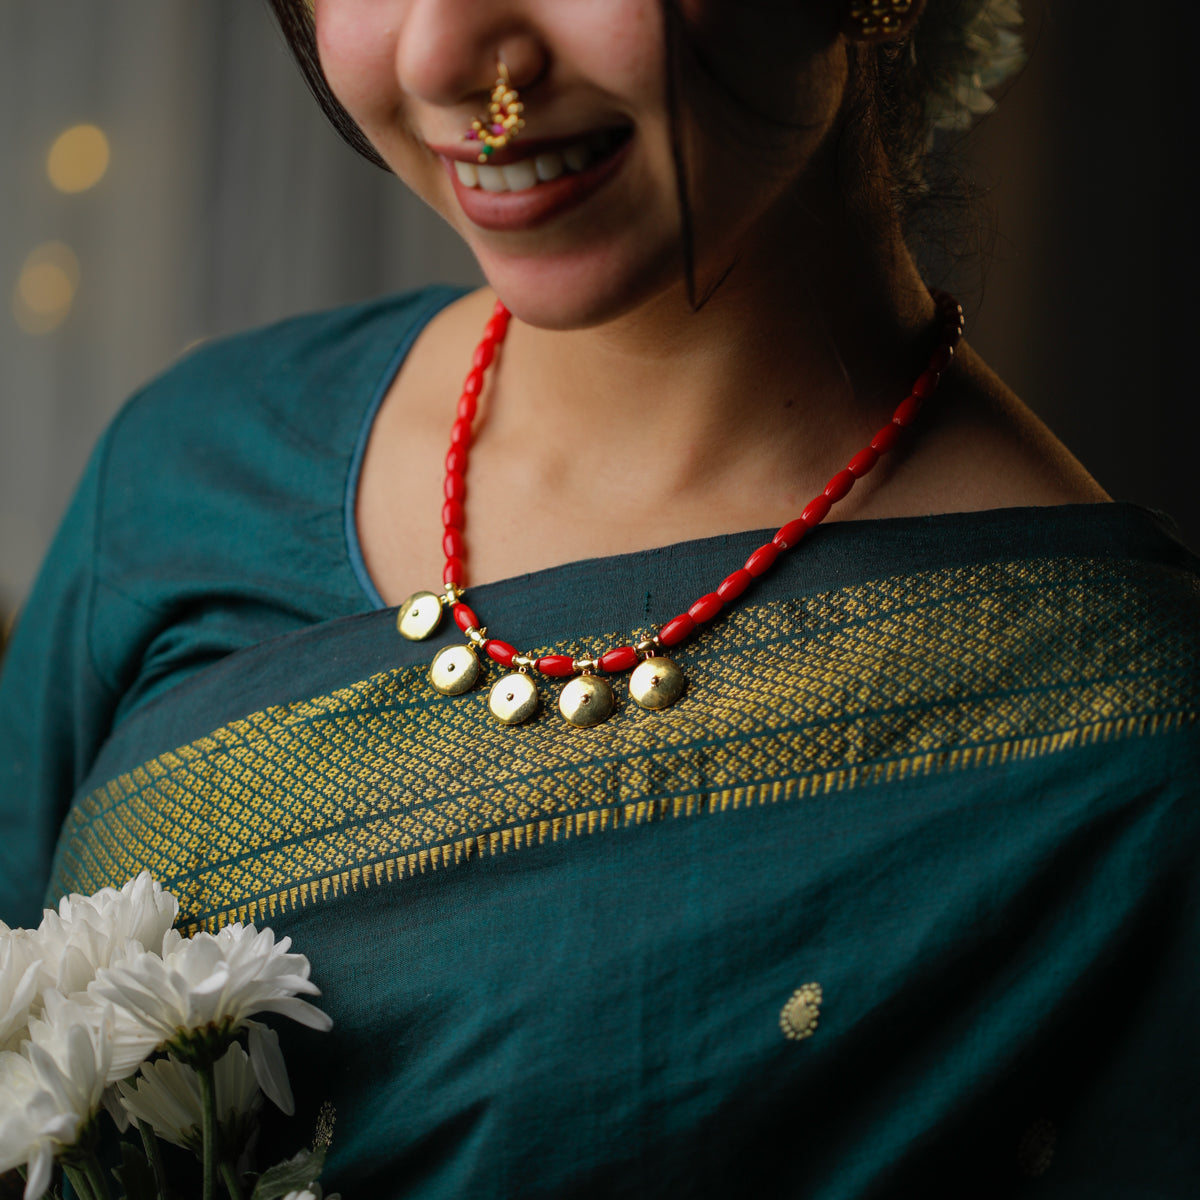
878 877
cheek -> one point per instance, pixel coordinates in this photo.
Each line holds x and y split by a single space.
356 44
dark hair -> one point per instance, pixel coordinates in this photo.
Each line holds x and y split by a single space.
295 19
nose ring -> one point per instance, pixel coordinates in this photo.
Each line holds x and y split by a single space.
503 121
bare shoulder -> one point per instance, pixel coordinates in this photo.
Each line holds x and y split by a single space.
982 448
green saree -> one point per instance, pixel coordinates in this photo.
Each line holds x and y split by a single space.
900 899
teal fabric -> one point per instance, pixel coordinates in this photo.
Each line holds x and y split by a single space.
945 768
213 515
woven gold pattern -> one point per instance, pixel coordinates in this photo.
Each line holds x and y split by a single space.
905 677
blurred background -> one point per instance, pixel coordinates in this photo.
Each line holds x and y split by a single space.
165 177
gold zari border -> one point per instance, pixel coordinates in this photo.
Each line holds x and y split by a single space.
898 679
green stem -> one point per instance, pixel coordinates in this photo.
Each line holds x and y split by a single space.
232 1185
208 1105
154 1158
95 1177
78 1182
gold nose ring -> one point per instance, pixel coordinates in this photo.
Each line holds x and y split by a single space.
503 120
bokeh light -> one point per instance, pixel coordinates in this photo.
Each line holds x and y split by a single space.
78 158
46 287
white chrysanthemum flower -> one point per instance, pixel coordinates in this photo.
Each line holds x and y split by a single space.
52 1090
90 932
991 52
20 983
201 991
166 1096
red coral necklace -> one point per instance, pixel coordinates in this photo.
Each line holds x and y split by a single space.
656 681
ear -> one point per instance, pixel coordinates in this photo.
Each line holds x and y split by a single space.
880 20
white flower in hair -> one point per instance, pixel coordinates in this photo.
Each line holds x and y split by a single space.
982 53
52 1090
89 932
20 983
166 1096
203 989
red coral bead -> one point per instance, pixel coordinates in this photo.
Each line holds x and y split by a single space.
484 353
790 534
906 413
473 384
453 543
734 585
706 608
556 664
621 658
839 485
501 652
468 406
863 461
495 329
676 629
455 487
762 559
460 433
454 572
456 460
943 356
885 439
816 510
464 617
454 516
926 383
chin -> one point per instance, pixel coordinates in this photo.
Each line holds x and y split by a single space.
584 288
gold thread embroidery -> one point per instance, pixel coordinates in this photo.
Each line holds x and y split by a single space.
798 1017
310 801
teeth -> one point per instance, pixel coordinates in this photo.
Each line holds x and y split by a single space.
527 173
578 156
520 176
549 166
491 179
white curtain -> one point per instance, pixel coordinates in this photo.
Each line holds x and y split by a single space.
228 202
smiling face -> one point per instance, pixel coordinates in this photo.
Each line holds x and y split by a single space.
578 220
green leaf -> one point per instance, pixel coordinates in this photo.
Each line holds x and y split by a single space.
134 1174
298 1172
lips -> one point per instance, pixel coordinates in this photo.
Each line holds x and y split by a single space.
535 181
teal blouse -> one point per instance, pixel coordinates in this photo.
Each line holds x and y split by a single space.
900 899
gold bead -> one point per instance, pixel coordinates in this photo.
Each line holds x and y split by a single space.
476 635
586 665
513 698
419 616
587 700
656 683
454 670
524 662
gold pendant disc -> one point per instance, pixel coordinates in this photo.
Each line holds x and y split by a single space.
656 683
513 699
586 700
419 616
454 670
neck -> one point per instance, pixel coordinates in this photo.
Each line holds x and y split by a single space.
793 358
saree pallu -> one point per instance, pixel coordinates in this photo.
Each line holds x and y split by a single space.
901 899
